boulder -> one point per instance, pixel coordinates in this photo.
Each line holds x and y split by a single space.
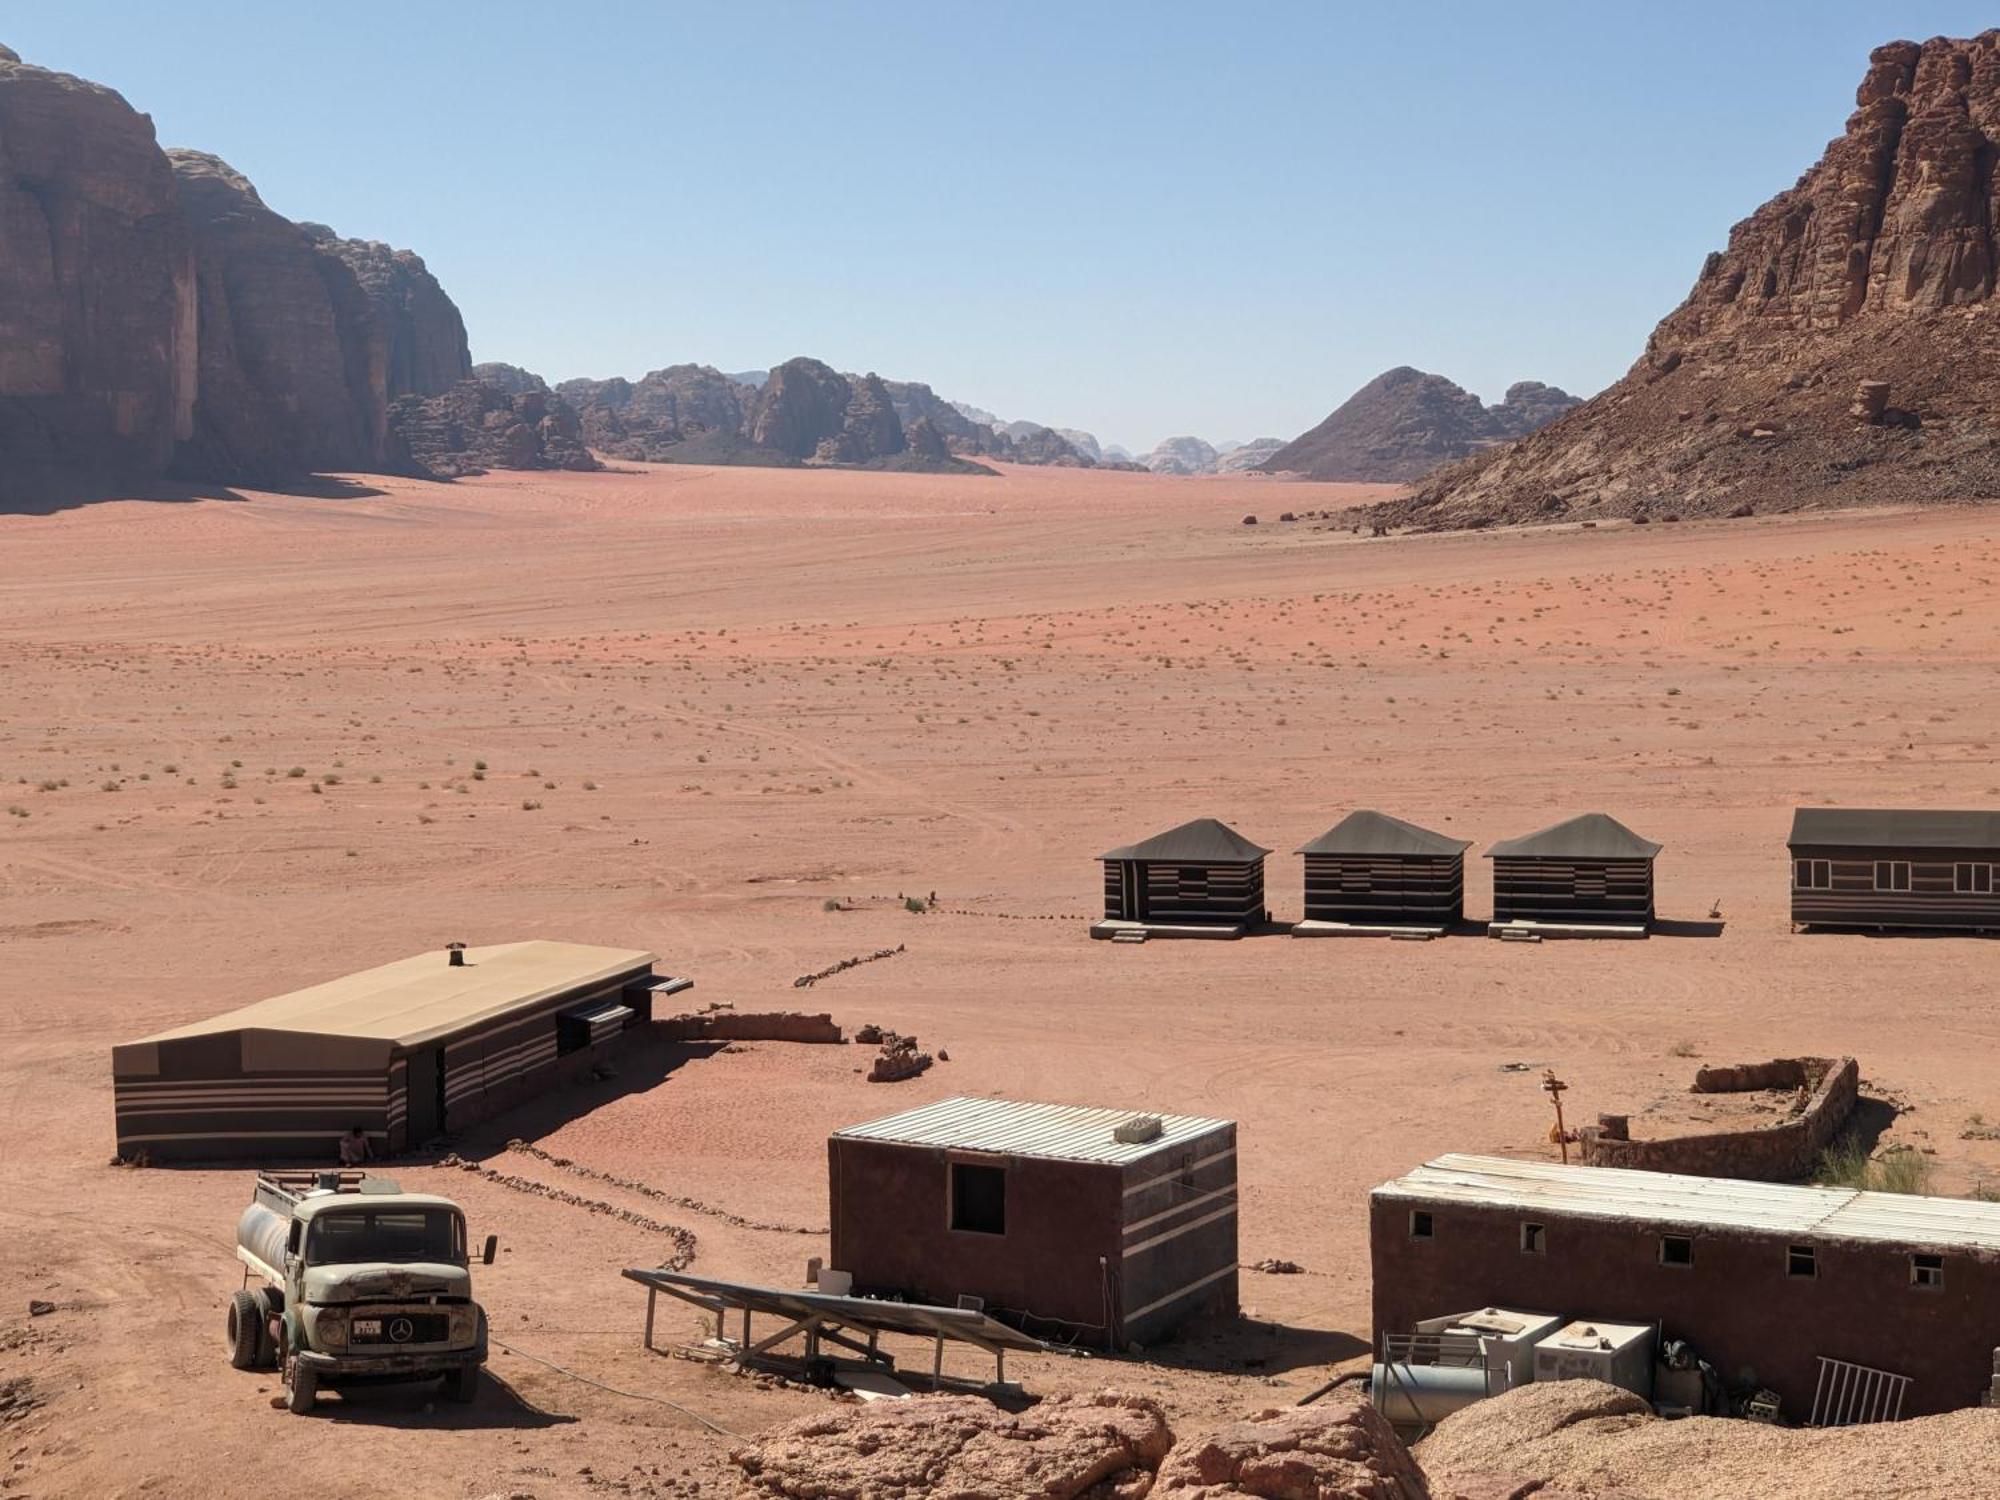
1103 1445
1337 1449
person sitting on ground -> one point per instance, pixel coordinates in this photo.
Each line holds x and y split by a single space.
354 1148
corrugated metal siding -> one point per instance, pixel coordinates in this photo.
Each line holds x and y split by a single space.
1058 1132
1700 1202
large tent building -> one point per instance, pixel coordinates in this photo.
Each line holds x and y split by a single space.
1895 867
1583 874
1371 873
406 1051
1202 879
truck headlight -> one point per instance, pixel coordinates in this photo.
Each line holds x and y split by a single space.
330 1328
464 1324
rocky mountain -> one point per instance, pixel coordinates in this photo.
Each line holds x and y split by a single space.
1406 422
802 411
428 353
1181 455
1084 442
1246 456
158 318
649 418
1843 349
482 424
512 379
291 359
97 285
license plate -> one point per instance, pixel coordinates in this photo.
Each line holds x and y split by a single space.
368 1328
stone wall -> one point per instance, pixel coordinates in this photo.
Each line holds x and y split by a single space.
729 1026
1782 1152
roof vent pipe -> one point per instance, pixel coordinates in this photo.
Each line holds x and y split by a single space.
454 954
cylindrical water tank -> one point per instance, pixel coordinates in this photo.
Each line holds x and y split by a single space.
1423 1395
263 1232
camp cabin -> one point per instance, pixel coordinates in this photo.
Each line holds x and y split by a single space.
1200 880
1107 1225
407 1051
1588 876
1826 1293
1904 867
1371 874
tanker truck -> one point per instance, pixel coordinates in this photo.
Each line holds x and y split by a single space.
348 1279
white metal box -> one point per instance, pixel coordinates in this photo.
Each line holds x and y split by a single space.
1619 1354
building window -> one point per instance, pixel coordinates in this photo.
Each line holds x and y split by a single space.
1192 884
1927 1271
1973 880
1892 874
1590 882
978 1199
1801 1260
1187 1171
1676 1250
1534 1239
1812 874
1420 1224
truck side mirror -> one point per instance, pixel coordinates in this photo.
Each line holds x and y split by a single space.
492 1248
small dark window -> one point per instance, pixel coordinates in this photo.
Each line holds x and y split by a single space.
1534 1239
1812 874
978 1198
1892 875
1420 1224
1801 1260
1927 1271
1187 1171
1676 1250
1973 880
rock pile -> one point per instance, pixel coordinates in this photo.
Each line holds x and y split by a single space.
898 1058
1104 1446
1339 1449
1769 387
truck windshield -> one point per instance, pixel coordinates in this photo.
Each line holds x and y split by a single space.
343 1236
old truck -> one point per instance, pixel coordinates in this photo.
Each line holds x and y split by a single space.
348 1279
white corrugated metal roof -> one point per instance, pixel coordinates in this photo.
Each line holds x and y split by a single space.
1061 1132
1700 1202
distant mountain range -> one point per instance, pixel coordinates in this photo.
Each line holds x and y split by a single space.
1406 422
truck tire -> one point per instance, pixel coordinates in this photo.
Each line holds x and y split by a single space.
246 1331
462 1384
267 1347
303 1389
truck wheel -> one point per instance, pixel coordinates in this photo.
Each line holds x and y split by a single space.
267 1348
462 1384
246 1331
303 1390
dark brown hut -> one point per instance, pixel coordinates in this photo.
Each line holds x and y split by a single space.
1202 879
1374 873
1586 872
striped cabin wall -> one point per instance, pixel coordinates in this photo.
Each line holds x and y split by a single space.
1223 895
1378 888
1179 1239
501 1065
202 1105
1850 896
1556 890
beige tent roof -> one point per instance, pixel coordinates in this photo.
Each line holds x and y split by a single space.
417 1000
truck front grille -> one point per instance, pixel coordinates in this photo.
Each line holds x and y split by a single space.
397 1328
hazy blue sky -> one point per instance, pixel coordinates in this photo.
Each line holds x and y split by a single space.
1143 219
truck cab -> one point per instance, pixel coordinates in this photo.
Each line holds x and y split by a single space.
361 1281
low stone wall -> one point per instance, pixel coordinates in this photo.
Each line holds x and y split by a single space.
730 1026
1782 1152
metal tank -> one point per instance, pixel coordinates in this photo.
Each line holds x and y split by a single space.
263 1231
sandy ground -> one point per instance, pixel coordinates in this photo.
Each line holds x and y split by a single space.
239 752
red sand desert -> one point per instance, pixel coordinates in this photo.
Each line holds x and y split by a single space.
711 701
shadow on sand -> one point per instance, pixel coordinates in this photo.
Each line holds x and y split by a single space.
1254 1345
33 496
418 1404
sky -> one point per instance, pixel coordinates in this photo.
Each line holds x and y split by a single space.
1141 219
